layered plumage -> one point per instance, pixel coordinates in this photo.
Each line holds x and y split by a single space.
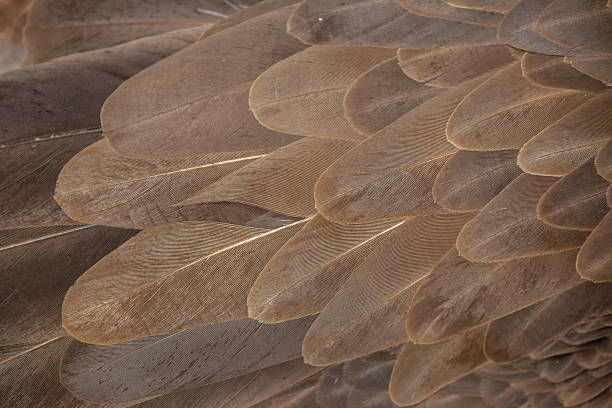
317 203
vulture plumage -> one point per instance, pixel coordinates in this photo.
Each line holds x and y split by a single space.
306 204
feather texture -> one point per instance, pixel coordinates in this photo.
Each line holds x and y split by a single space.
595 258
171 278
440 9
553 72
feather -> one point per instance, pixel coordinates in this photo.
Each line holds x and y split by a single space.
72 89
447 67
12 351
29 172
508 226
381 289
31 380
603 162
381 23
10 238
570 141
333 390
517 29
459 295
576 201
244 14
506 111
423 369
469 180
187 359
595 258
553 72
304 275
440 9
38 270
100 187
583 26
164 111
487 5
382 95
402 160
239 392
304 94
282 181
60 27
595 65
586 393
300 396
500 394
170 278
515 336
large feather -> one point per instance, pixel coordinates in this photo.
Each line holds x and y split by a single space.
165 110
440 9
506 111
402 160
469 180
239 392
187 359
449 66
311 267
514 336
282 181
29 171
459 294
570 141
595 257
576 201
517 29
380 290
382 95
584 25
382 23
100 187
170 278
38 270
508 226
595 65
422 370
553 72
60 27
304 93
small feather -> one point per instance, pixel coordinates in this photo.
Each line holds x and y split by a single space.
603 161
440 9
553 72
595 65
595 257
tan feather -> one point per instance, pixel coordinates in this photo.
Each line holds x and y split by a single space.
170 278
583 26
37 271
60 27
517 29
304 94
282 181
440 9
165 110
382 95
421 370
487 5
595 258
603 161
100 187
402 160
576 201
514 336
459 295
595 65
187 359
469 180
381 23
379 290
567 143
553 72
586 393
311 267
508 226
239 392
506 111
449 66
